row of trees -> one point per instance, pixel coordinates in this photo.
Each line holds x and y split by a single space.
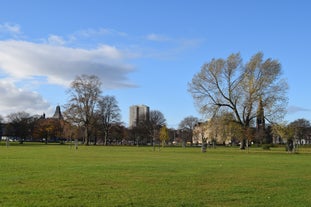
295 133
90 117
88 110
218 130
22 126
223 88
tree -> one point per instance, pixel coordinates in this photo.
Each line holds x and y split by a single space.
188 124
156 120
19 125
1 127
226 85
150 127
217 129
200 133
163 135
84 95
286 132
109 113
301 129
223 128
50 129
119 133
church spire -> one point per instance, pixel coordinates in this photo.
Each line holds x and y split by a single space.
58 113
260 115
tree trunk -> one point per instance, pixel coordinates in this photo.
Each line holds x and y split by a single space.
76 143
214 144
153 143
86 136
243 144
204 147
184 143
105 139
95 140
290 145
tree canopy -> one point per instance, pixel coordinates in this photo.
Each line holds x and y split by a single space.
186 126
109 113
228 85
84 95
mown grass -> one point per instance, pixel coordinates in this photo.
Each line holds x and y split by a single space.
59 175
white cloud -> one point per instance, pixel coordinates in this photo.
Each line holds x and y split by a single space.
14 99
9 28
30 65
166 47
96 33
157 38
60 65
296 109
56 40
93 32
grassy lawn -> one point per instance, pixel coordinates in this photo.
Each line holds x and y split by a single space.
59 175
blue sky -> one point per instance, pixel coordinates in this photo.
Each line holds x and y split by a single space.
145 52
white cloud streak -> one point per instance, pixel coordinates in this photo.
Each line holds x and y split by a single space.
60 65
157 38
296 109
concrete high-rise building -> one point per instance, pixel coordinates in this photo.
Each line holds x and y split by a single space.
138 113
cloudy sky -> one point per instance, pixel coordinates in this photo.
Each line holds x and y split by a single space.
145 52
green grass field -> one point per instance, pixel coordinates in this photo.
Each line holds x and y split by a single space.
59 175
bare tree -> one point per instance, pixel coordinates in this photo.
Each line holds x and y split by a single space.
152 125
301 129
188 124
157 118
84 95
109 113
226 85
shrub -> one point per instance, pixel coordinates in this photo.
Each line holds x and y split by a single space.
266 146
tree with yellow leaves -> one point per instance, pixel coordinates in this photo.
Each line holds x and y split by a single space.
163 135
